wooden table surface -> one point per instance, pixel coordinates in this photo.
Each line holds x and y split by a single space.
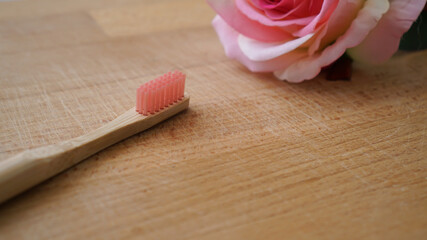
253 157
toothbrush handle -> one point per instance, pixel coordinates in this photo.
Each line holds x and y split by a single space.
33 166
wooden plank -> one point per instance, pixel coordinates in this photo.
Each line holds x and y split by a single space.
253 157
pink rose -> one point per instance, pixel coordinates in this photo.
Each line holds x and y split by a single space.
296 38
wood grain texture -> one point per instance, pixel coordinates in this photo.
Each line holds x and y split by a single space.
253 157
33 166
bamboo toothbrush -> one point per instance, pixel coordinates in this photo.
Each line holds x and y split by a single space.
156 101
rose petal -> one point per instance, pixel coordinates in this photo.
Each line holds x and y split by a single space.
291 9
309 23
258 15
336 26
383 41
310 67
248 27
262 51
328 8
228 37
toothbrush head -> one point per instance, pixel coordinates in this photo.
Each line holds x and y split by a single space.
157 94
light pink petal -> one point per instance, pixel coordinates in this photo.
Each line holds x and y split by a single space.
290 10
228 37
383 41
309 23
328 8
248 27
283 5
310 67
263 51
259 16
336 26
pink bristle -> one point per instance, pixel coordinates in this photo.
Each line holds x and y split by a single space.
158 97
175 89
161 97
143 93
178 87
144 104
178 84
153 100
169 87
181 86
148 109
178 91
141 100
171 100
160 92
172 90
155 97
150 102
